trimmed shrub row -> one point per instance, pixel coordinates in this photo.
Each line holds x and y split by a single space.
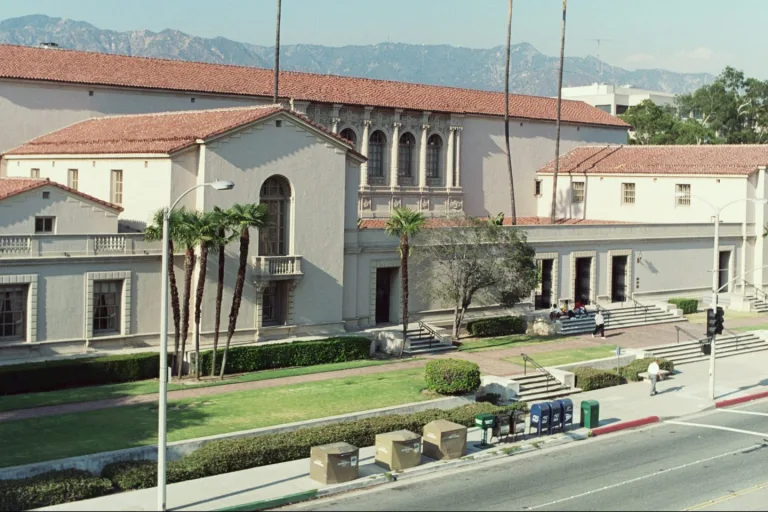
50 375
229 455
452 376
51 489
632 370
589 379
687 306
284 355
498 326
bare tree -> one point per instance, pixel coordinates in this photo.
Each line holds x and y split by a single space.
277 51
475 260
553 214
506 115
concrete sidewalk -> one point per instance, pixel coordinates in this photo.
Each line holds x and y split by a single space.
685 393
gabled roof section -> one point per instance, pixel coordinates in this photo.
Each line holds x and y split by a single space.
10 187
710 160
157 133
69 66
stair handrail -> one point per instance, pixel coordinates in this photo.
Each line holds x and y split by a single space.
758 291
432 333
679 329
644 307
527 359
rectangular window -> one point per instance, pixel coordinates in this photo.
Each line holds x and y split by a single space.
578 192
34 173
683 195
106 306
621 109
72 179
13 314
604 108
537 189
627 193
116 186
45 224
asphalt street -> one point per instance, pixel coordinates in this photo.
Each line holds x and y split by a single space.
716 460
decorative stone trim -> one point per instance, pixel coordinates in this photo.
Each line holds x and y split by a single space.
372 290
592 274
125 300
259 286
555 256
290 314
31 280
627 274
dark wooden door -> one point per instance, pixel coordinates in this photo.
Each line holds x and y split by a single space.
619 279
583 279
544 299
383 291
723 274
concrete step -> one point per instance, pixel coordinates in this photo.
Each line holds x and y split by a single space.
531 378
421 339
720 339
720 353
435 349
669 349
586 330
551 395
695 351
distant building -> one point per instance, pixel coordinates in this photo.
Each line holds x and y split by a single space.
616 100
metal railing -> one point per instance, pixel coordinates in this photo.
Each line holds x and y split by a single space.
277 265
759 294
641 306
527 359
432 334
680 329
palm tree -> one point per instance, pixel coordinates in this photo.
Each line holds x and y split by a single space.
187 231
242 218
206 231
553 213
406 224
154 232
220 219
506 115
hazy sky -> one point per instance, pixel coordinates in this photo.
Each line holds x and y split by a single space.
680 35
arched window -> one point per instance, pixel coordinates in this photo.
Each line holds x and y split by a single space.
405 155
273 239
434 148
349 134
376 154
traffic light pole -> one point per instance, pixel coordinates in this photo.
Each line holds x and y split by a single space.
715 282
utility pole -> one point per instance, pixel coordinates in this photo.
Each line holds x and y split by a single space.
553 212
277 52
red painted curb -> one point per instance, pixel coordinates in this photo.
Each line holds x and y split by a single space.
624 425
741 399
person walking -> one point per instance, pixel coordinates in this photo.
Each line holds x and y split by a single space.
653 375
599 325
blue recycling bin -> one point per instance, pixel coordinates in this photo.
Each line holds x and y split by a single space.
555 421
566 413
541 415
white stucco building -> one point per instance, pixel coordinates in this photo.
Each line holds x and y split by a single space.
614 99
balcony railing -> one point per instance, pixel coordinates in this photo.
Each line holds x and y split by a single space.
40 246
277 266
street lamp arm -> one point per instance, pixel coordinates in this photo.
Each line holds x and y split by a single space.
184 194
705 201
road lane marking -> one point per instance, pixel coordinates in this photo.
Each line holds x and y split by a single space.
638 479
743 412
728 497
717 427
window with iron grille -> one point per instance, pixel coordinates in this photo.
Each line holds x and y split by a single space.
106 306
537 189
72 179
34 173
117 186
376 154
683 195
272 304
45 224
13 314
405 155
578 191
349 134
434 148
627 193
273 238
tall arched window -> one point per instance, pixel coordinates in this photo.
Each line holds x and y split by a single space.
349 134
273 239
376 154
434 149
405 155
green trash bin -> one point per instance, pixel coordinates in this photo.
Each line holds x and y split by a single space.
590 414
485 422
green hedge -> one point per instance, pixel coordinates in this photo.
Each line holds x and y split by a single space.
687 306
51 489
452 376
638 366
50 375
229 455
589 379
284 355
499 326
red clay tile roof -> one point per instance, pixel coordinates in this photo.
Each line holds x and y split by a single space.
720 160
521 221
164 132
70 66
10 187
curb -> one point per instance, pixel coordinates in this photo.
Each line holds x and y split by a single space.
741 399
274 502
624 425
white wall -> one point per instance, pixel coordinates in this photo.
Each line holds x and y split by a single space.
74 214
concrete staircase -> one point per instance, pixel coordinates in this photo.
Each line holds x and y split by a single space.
758 304
423 340
690 351
619 318
538 386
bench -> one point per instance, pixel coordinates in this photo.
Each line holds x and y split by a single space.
664 375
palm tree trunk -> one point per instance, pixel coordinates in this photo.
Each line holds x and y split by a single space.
175 307
199 304
506 115
189 266
404 287
277 51
553 214
219 293
238 295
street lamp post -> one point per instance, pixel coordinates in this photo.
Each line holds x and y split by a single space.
716 273
162 406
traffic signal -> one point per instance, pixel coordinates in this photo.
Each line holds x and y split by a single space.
719 320
711 322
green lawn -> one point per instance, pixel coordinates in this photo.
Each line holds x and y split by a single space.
558 357
69 435
701 316
87 394
758 327
518 340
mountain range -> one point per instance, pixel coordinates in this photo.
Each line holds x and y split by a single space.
532 71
